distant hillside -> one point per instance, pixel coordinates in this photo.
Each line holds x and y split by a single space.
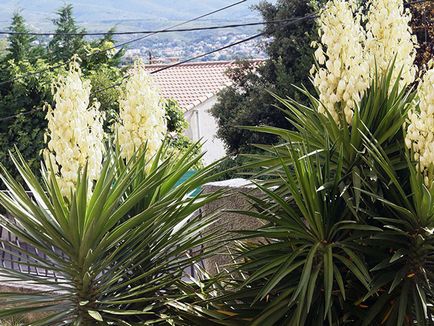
126 13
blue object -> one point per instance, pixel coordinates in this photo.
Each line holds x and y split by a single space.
184 178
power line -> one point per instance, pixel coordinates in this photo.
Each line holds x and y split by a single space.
192 29
177 25
290 21
250 38
167 30
183 62
114 47
126 42
170 29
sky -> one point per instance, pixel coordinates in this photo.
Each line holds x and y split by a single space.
127 13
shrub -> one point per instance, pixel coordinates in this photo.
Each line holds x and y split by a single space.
347 195
119 251
332 197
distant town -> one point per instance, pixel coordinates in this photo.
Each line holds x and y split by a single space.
132 16
166 50
173 50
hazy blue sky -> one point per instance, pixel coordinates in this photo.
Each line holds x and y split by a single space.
39 12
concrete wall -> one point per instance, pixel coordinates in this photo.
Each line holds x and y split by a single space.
204 126
228 221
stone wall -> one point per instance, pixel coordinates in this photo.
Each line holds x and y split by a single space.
227 222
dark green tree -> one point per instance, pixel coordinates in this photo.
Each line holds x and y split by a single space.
20 45
22 120
176 126
64 45
248 101
24 91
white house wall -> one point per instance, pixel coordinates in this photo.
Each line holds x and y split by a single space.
202 125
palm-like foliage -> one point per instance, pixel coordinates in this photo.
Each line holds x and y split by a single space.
349 233
382 112
401 258
300 273
119 252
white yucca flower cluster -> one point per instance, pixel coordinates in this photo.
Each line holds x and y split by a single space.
75 126
349 54
75 130
141 113
343 72
420 129
389 37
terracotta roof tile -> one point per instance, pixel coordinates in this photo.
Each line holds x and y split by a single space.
193 83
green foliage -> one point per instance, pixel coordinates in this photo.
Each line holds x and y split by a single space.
28 72
382 113
24 95
348 223
248 102
24 98
101 77
102 51
62 46
400 257
20 45
176 126
251 106
119 251
175 117
295 276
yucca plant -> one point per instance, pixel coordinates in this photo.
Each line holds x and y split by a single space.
118 249
401 256
308 269
382 112
349 223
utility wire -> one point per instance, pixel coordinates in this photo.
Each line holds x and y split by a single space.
166 30
177 25
126 42
311 16
192 29
250 38
114 47
18 114
290 21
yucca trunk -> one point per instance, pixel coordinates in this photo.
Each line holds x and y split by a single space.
85 300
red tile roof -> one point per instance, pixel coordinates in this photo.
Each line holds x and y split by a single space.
192 83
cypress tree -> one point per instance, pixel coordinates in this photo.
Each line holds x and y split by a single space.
20 45
63 45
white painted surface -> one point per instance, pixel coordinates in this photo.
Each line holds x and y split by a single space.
232 183
202 125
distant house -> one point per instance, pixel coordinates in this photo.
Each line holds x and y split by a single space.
195 86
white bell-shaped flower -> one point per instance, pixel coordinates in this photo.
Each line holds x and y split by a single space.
75 130
141 113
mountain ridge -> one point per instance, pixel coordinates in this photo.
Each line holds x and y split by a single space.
98 13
